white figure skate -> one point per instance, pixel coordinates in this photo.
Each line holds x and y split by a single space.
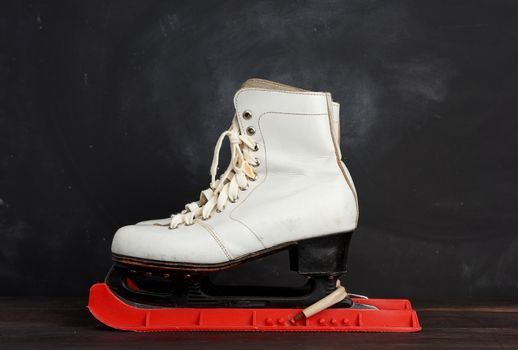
286 187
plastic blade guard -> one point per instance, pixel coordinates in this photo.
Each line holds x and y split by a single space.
394 315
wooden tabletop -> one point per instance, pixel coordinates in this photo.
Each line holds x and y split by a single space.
66 323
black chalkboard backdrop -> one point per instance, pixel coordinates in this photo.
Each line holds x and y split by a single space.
109 111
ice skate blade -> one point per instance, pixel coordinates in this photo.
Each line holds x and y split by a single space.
392 316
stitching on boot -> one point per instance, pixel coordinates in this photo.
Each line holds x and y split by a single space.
265 167
236 98
217 239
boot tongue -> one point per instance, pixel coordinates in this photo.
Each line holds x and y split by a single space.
268 85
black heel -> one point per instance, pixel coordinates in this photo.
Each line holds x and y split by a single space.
320 256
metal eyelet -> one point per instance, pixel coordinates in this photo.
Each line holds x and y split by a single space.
250 130
256 147
247 115
257 163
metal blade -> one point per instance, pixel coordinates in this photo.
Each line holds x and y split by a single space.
363 306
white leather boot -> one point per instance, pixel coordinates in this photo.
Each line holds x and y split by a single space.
285 184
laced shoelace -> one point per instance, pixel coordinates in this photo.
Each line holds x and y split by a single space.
234 179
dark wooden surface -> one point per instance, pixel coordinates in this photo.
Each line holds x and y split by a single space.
66 323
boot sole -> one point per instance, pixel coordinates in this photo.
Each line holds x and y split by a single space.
173 266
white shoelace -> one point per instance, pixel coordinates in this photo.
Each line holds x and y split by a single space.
227 187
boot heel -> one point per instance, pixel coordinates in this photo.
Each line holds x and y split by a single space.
325 255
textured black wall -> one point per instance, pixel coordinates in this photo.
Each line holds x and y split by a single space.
109 112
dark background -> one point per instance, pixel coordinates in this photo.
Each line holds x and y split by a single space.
109 112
